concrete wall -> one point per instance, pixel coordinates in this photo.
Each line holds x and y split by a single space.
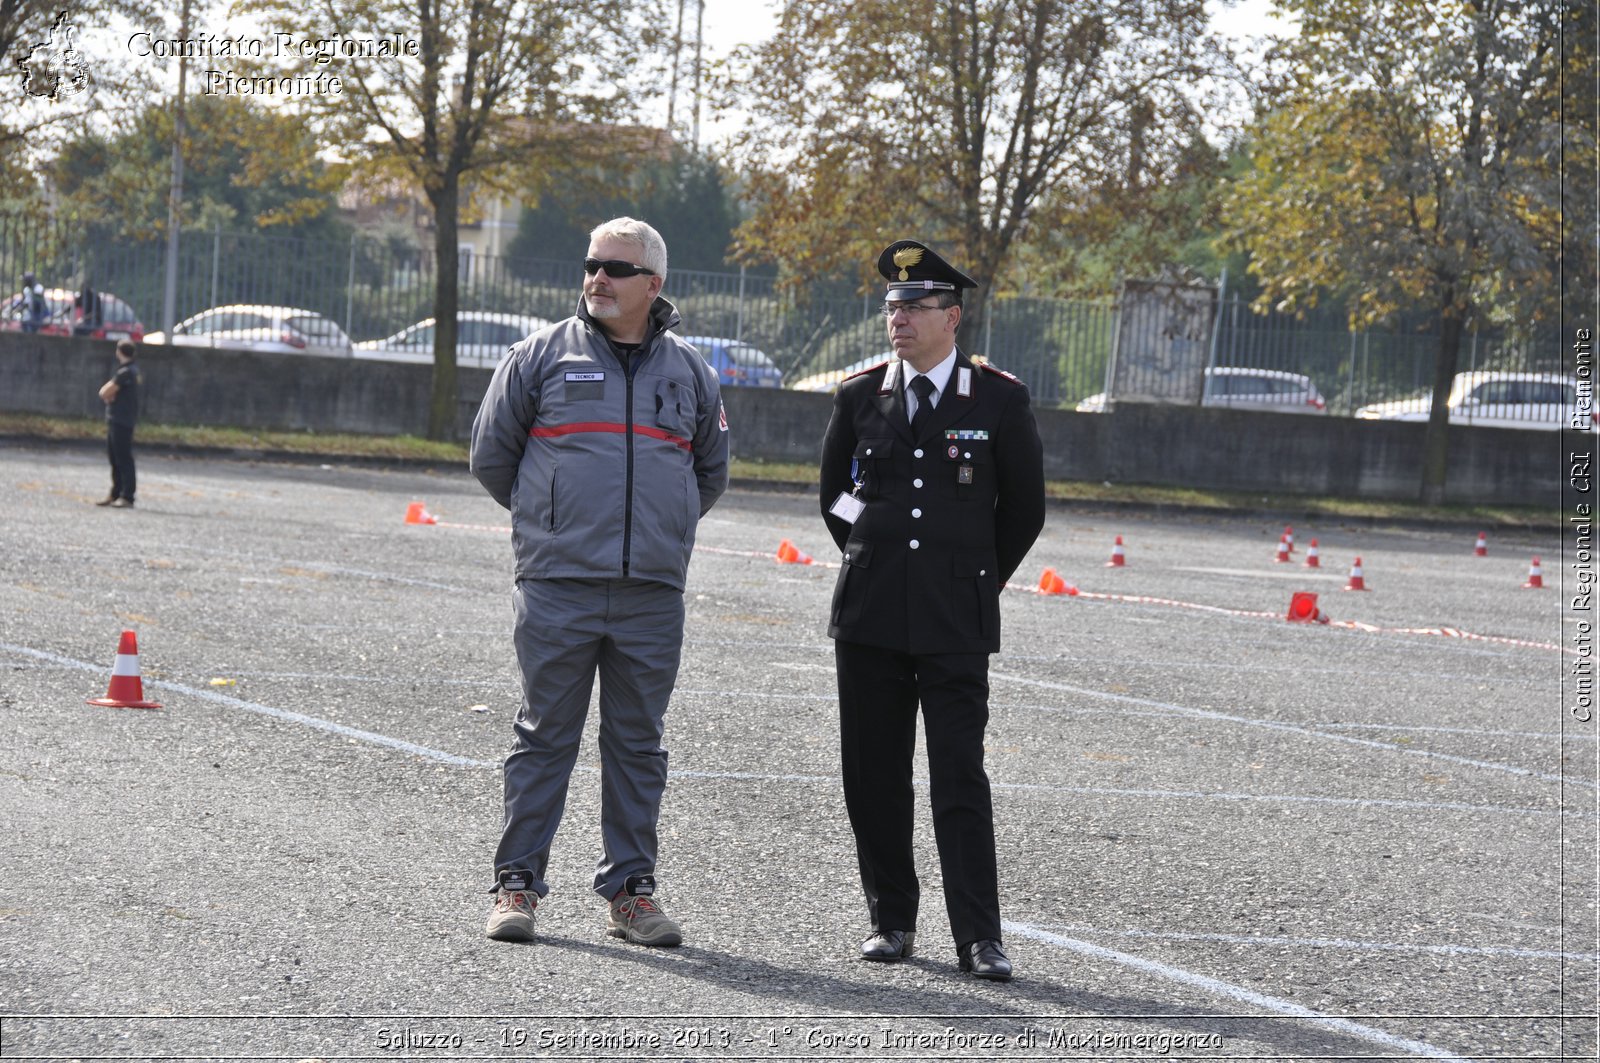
1147 444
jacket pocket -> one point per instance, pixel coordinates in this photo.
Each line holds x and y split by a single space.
968 473
977 593
851 591
870 464
673 403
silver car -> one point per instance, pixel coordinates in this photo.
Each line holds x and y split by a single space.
1497 400
482 338
1235 387
284 329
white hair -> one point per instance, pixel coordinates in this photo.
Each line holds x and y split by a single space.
652 249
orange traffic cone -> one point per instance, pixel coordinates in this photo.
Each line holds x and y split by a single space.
1051 583
1312 559
1288 538
789 554
1303 609
1535 576
417 513
1282 556
1118 557
127 689
1482 549
1357 580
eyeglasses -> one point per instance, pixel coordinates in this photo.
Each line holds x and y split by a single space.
891 309
615 268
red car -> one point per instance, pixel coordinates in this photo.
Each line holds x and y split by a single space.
117 319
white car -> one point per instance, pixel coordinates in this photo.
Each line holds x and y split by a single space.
1496 400
284 329
482 338
1271 390
830 379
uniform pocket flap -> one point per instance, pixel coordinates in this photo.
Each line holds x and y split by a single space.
875 449
858 552
967 451
968 566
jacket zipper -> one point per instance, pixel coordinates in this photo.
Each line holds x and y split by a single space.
627 509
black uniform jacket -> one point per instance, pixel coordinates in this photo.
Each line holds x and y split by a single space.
948 516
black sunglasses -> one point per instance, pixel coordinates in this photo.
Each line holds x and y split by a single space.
614 267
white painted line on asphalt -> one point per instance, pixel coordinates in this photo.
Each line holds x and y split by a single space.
1341 944
1469 731
267 710
1234 992
333 570
1293 799
1290 728
454 759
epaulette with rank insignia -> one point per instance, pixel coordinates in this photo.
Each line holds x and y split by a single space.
997 371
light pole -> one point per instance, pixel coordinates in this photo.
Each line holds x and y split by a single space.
169 301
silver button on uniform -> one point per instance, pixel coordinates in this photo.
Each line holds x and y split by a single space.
916 512
915 544
917 482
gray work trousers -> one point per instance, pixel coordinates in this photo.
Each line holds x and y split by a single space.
631 631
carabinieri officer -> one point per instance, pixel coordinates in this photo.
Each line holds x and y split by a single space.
933 487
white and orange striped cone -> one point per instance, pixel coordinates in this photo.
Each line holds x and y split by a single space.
1288 538
1119 557
1482 548
1282 556
127 689
1535 576
790 554
1358 580
417 513
1313 559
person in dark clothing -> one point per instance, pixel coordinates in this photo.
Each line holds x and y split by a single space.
90 316
121 396
932 484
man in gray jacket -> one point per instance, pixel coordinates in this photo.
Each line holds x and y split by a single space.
605 437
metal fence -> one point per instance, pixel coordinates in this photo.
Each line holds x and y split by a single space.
374 287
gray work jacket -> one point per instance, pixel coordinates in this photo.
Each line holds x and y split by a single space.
605 467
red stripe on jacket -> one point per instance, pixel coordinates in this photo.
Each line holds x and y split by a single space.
607 426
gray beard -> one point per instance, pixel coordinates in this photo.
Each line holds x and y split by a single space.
610 310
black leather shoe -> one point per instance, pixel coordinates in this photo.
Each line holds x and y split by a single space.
985 959
887 946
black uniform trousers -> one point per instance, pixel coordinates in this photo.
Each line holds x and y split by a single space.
119 448
879 691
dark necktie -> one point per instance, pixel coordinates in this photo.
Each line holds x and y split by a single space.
924 389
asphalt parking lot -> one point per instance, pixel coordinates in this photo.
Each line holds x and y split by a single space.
1221 835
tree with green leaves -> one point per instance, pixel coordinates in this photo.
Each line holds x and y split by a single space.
259 168
1409 157
40 60
492 94
686 197
976 125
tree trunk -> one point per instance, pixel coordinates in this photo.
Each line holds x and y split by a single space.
970 337
1436 444
446 297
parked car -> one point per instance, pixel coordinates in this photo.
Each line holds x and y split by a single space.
117 319
284 329
738 364
1271 390
830 379
481 339
1494 400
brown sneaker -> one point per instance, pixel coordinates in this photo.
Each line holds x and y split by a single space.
106 501
511 918
637 917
